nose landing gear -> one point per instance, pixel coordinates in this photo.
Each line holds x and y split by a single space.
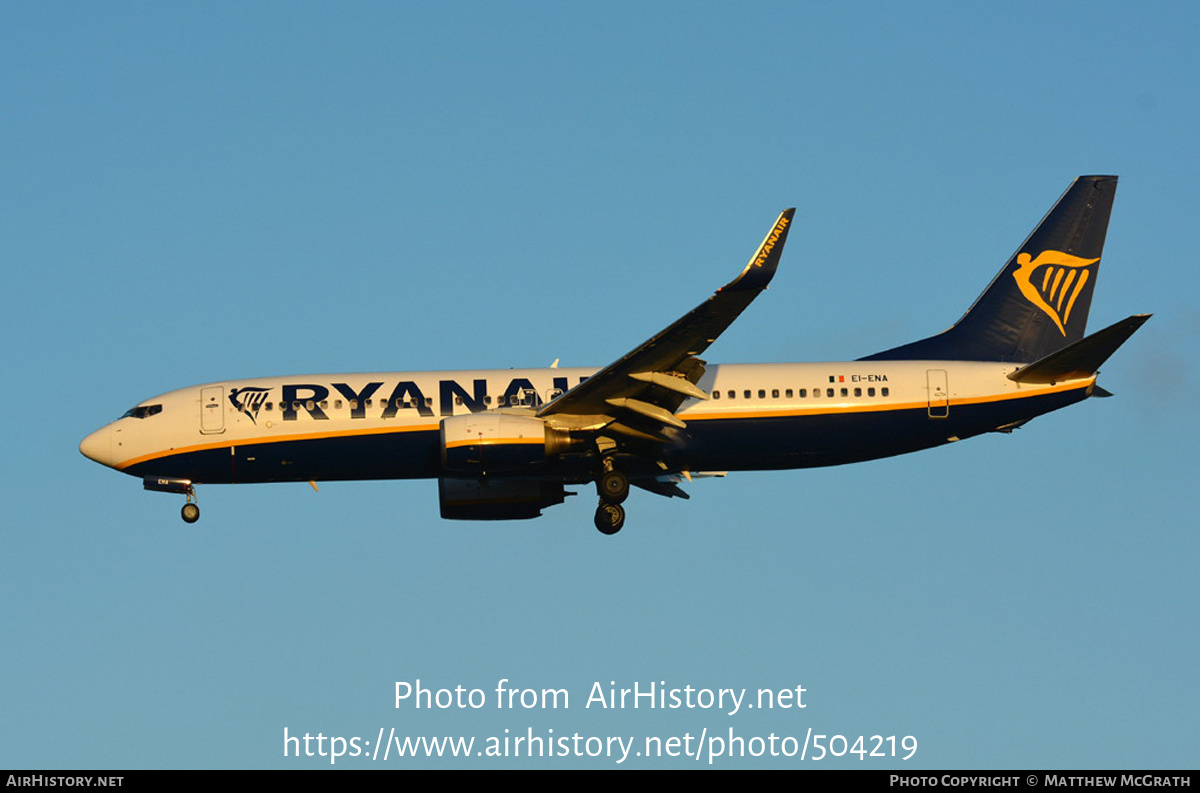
169 484
191 511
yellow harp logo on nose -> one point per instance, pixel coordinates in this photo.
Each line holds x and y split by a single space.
1053 290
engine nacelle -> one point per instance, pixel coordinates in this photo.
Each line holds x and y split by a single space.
493 442
497 499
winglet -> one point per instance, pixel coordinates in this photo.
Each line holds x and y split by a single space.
762 265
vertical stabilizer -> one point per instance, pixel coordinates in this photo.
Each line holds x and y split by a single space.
1039 302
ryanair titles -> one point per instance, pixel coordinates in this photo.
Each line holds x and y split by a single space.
386 400
769 244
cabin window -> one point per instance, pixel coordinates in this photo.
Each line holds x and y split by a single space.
354 404
845 392
858 392
746 393
324 404
788 393
337 404
487 400
829 392
870 392
802 393
269 406
733 394
716 394
762 393
883 391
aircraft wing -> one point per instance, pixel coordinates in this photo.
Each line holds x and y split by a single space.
638 394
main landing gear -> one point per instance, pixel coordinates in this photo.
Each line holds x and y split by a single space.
613 488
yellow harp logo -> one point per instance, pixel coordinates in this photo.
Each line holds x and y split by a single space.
1054 290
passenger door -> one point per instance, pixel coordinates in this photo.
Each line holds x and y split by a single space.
212 410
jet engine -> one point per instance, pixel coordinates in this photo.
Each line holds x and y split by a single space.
494 442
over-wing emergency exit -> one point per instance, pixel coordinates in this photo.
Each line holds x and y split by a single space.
507 443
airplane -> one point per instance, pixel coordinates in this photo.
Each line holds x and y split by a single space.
504 444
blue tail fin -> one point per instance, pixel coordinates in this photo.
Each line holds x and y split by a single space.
1039 302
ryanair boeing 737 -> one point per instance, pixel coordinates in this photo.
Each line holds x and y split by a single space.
505 444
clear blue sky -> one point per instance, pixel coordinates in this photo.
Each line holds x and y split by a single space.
199 192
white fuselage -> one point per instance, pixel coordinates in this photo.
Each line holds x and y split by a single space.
780 405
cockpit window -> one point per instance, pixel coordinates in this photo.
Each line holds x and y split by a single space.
142 411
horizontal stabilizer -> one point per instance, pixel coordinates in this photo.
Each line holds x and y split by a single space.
1082 358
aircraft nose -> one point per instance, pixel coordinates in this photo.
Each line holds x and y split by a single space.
98 446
